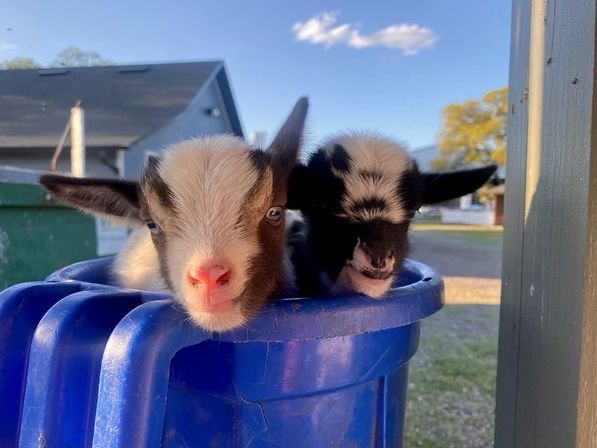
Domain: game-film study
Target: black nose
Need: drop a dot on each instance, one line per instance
(378, 259)
(378, 262)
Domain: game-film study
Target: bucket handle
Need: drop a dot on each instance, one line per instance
(135, 371)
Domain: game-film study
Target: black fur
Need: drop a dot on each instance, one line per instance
(108, 196)
(151, 178)
(411, 189)
(332, 233)
(439, 187)
(340, 159)
(330, 239)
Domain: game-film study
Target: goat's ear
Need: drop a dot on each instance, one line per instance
(286, 145)
(299, 188)
(113, 197)
(440, 187)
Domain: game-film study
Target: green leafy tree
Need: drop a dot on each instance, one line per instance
(75, 57)
(474, 132)
(19, 63)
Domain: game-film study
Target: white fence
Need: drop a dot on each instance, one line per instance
(467, 216)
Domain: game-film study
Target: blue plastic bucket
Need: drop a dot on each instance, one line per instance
(306, 372)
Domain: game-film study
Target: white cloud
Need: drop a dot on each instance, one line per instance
(322, 29)
(6, 47)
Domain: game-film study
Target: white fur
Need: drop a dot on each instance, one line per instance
(352, 280)
(376, 154)
(137, 266)
(209, 179)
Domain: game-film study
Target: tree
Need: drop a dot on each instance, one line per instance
(19, 63)
(474, 132)
(75, 57)
(69, 57)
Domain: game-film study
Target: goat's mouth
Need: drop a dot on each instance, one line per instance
(210, 303)
(371, 283)
(372, 274)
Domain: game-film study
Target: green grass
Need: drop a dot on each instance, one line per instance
(492, 237)
(452, 380)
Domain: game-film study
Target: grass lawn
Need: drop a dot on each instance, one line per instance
(452, 377)
(452, 380)
(464, 233)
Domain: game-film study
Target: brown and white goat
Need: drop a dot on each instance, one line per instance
(208, 219)
(357, 195)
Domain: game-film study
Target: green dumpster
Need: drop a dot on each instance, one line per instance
(39, 235)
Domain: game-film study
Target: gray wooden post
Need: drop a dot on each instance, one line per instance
(547, 367)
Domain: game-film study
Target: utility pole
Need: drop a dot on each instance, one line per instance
(77, 141)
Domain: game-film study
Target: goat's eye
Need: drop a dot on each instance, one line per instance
(411, 213)
(153, 227)
(274, 213)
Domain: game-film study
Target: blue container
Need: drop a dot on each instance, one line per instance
(22, 307)
(304, 373)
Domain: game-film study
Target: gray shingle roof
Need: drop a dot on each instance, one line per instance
(121, 103)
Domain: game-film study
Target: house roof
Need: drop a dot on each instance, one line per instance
(424, 156)
(121, 103)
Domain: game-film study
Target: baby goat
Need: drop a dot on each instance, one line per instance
(209, 221)
(358, 194)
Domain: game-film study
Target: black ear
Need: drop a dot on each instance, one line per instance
(113, 197)
(287, 143)
(299, 188)
(440, 187)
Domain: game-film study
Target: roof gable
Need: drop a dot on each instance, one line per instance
(121, 103)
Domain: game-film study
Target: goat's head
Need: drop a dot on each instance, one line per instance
(215, 209)
(359, 193)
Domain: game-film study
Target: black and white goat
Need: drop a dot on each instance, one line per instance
(358, 194)
(208, 218)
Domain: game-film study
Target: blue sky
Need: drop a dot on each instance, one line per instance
(361, 67)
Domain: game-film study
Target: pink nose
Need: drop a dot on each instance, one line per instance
(210, 277)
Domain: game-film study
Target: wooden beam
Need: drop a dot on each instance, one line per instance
(547, 367)
(587, 402)
(514, 206)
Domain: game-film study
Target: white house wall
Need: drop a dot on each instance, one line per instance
(192, 122)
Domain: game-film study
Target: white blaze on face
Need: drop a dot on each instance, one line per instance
(376, 166)
(211, 181)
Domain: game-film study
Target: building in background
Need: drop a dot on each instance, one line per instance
(130, 112)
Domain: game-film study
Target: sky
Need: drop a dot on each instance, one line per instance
(388, 66)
